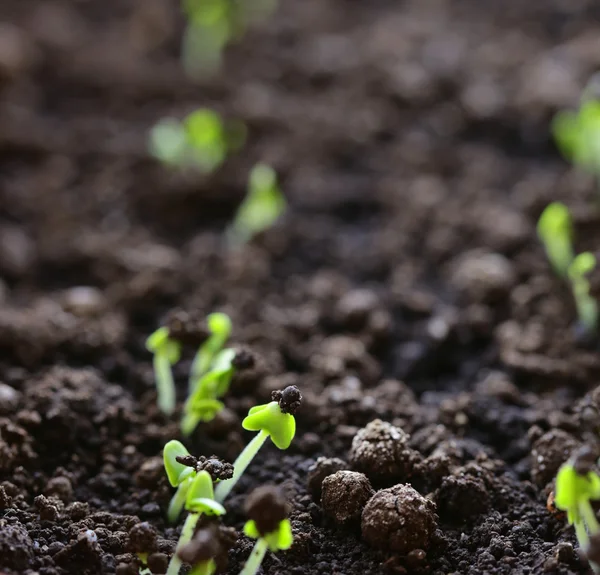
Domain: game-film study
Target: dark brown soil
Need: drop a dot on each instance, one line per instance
(405, 284)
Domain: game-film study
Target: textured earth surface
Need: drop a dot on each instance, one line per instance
(405, 284)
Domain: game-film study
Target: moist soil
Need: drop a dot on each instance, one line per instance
(405, 282)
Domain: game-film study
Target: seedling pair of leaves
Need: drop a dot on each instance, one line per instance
(201, 140)
(167, 352)
(279, 540)
(555, 230)
(574, 494)
(194, 492)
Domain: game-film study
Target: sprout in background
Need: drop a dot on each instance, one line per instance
(261, 207)
(166, 353)
(212, 25)
(555, 230)
(587, 307)
(201, 140)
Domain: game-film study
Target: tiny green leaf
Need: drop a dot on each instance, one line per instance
(206, 137)
(176, 472)
(582, 265)
(168, 141)
(555, 230)
(250, 529)
(262, 206)
(278, 540)
(269, 418)
(160, 343)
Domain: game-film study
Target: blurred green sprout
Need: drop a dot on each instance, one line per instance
(587, 307)
(577, 134)
(573, 494)
(555, 230)
(212, 26)
(263, 205)
(201, 140)
(166, 353)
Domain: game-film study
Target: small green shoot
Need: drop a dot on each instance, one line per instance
(587, 307)
(219, 326)
(199, 501)
(573, 494)
(179, 475)
(279, 540)
(203, 404)
(201, 141)
(166, 353)
(555, 230)
(212, 25)
(261, 207)
(577, 134)
(275, 420)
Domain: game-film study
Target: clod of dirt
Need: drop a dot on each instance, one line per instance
(244, 359)
(548, 453)
(142, 538)
(189, 328)
(289, 399)
(319, 470)
(355, 307)
(209, 542)
(82, 555)
(48, 511)
(84, 301)
(60, 487)
(381, 451)
(17, 250)
(216, 468)
(344, 496)
(462, 496)
(16, 547)
(399, 519)
(9, 399)
(483, 276)
(158, 563)
(267, 507)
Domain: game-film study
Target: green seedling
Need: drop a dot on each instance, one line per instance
(262, 206)
(179, 475)
(166, 353)
(577, 134)
(555, 230)
(280, 539)
(587, 307)
(272, 420)
(201, 141)
(203, 404)
(574, 493)
(219, 326)
(199, 500)
(212, 25)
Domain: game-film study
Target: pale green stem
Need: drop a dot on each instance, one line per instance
(560, 254)
(204, 568)
(223, 488)
(258, 553)
(587, 310)
(178, 501)
(589, 518)
(164, 384)
(186, 536)
(196, 371)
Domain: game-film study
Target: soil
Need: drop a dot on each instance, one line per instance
(404, 284)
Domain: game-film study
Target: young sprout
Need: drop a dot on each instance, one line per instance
(587, 307)
(268, 524)
(166, 353)
(219, 326)
(275, 420)
(203, 404)
(263, 204)
(577, 134)
(555, 230)
(201, 140)
(199, 501)
(179, 475)
(576, 486)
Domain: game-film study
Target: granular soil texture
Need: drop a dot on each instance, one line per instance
(404, 292)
